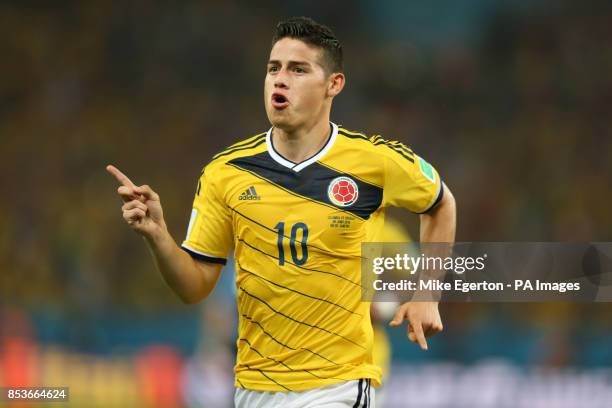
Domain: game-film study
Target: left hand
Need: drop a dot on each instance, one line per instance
(423, 320)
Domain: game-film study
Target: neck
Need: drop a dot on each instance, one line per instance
(300, 144)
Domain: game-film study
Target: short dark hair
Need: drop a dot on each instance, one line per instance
(312, 33)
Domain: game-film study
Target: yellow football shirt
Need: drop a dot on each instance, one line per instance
(296, 230)
(393, 231)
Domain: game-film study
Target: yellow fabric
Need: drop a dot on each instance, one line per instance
(382, 349)
(302, 323)
(393, 231)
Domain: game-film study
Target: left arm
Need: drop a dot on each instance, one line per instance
(438, 225)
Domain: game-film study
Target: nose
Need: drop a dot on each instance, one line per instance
(280, 79)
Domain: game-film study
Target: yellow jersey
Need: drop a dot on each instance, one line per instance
(393, 231)
(296, 230)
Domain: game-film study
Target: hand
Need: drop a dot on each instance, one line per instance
(423, 321)
(141, 209)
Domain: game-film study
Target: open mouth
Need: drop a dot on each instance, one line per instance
(279, 101)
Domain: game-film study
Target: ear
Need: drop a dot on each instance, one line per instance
(335, 84)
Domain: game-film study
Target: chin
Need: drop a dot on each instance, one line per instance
(281, 121)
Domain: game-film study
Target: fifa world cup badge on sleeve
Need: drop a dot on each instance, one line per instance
(427, 170)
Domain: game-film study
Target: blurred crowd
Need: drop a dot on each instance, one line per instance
(515, 114)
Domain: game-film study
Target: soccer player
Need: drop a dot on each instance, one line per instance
(295, 203)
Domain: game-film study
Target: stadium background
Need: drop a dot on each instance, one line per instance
(509, 100)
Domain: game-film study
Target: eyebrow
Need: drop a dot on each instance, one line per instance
(277, 62)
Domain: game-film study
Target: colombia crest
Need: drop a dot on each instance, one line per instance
(343, 191)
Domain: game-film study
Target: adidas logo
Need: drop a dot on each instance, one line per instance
(249, 194)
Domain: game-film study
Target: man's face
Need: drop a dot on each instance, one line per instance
(295, 89)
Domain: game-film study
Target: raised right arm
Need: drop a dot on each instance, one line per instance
(192, 280)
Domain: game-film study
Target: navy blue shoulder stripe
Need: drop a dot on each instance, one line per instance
(406, 156)
(397, 147)
(352, 135)
(247, 141)
(240, 145)
(256, 143)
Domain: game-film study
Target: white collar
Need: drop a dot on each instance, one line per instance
(302, 165)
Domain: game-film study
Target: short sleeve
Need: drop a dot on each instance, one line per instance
(411, 182)
(209, 235)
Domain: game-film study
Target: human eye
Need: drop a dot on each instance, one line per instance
(272, 68)
(299, 70)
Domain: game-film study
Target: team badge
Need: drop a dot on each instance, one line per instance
(343, 191)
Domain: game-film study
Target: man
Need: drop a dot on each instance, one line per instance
(295, 203)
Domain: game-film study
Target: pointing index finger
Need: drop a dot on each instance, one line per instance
(121, 178)
(420, 336)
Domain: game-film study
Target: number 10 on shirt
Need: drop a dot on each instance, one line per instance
(298, 260)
